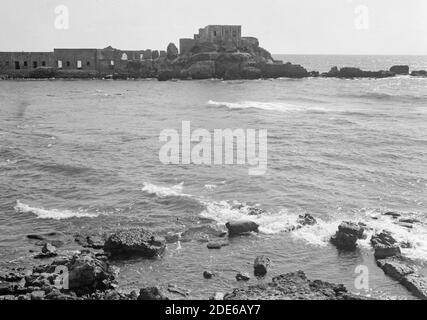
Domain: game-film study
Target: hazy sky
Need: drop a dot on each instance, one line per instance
(283, 26)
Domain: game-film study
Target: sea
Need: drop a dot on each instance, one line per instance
(82, 156)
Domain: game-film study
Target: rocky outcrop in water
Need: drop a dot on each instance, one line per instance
(385, 245)
(400, 70)
(419, 73)
(351, 73)
(240, 227)
(306, 220)
(135, 242)
(293, 286)
(261, 266)
(347, 235)
(406, 274)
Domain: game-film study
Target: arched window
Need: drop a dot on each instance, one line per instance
(124, 56)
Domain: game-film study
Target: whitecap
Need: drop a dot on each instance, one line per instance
(270, 106)
(164, 191)
(52, 213)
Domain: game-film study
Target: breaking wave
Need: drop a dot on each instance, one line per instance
(270, 106)
(317, 235)
(53, 213)
(164, 191)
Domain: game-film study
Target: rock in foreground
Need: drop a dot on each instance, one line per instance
(406, 274)
(293, 286)
(135, 242)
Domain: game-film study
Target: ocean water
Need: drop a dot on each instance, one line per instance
(83, 156)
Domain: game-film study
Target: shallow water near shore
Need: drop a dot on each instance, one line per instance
(82, 156)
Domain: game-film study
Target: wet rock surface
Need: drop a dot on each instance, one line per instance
(293, 286)
(385, 245)
(406, 274)
(241, 227)
(347, 235)
(135, 242)
(261, 266)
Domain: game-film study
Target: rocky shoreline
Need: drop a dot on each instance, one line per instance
(249, 61)
(90, 273)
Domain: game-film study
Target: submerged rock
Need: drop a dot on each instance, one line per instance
(392, 214)
(240, 227)
(208, 274)
(347, 235)
(138, 242)
(306, 220)
(243, 277)
(261, 265)
(217, 245)
(293, 286)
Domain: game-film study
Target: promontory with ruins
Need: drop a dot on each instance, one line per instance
(216, 51)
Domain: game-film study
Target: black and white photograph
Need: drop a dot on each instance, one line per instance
(213, 152)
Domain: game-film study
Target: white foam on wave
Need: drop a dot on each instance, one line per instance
(52, 213)
(270, 223)
(164, 191)
(416, 237)
(270, 106)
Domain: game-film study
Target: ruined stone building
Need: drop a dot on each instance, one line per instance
(221, 35)
(107, 60)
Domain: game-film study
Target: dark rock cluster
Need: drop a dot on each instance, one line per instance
(293, 286)
(347, 235)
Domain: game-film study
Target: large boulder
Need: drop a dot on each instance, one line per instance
(172, 52)
(86, 271)
(241, 227)
(347, 235)
(137, 241)
(261, 266)
(402, 70)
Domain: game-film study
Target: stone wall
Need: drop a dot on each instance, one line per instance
(25, 61)
(221, 34)
(77, 59)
